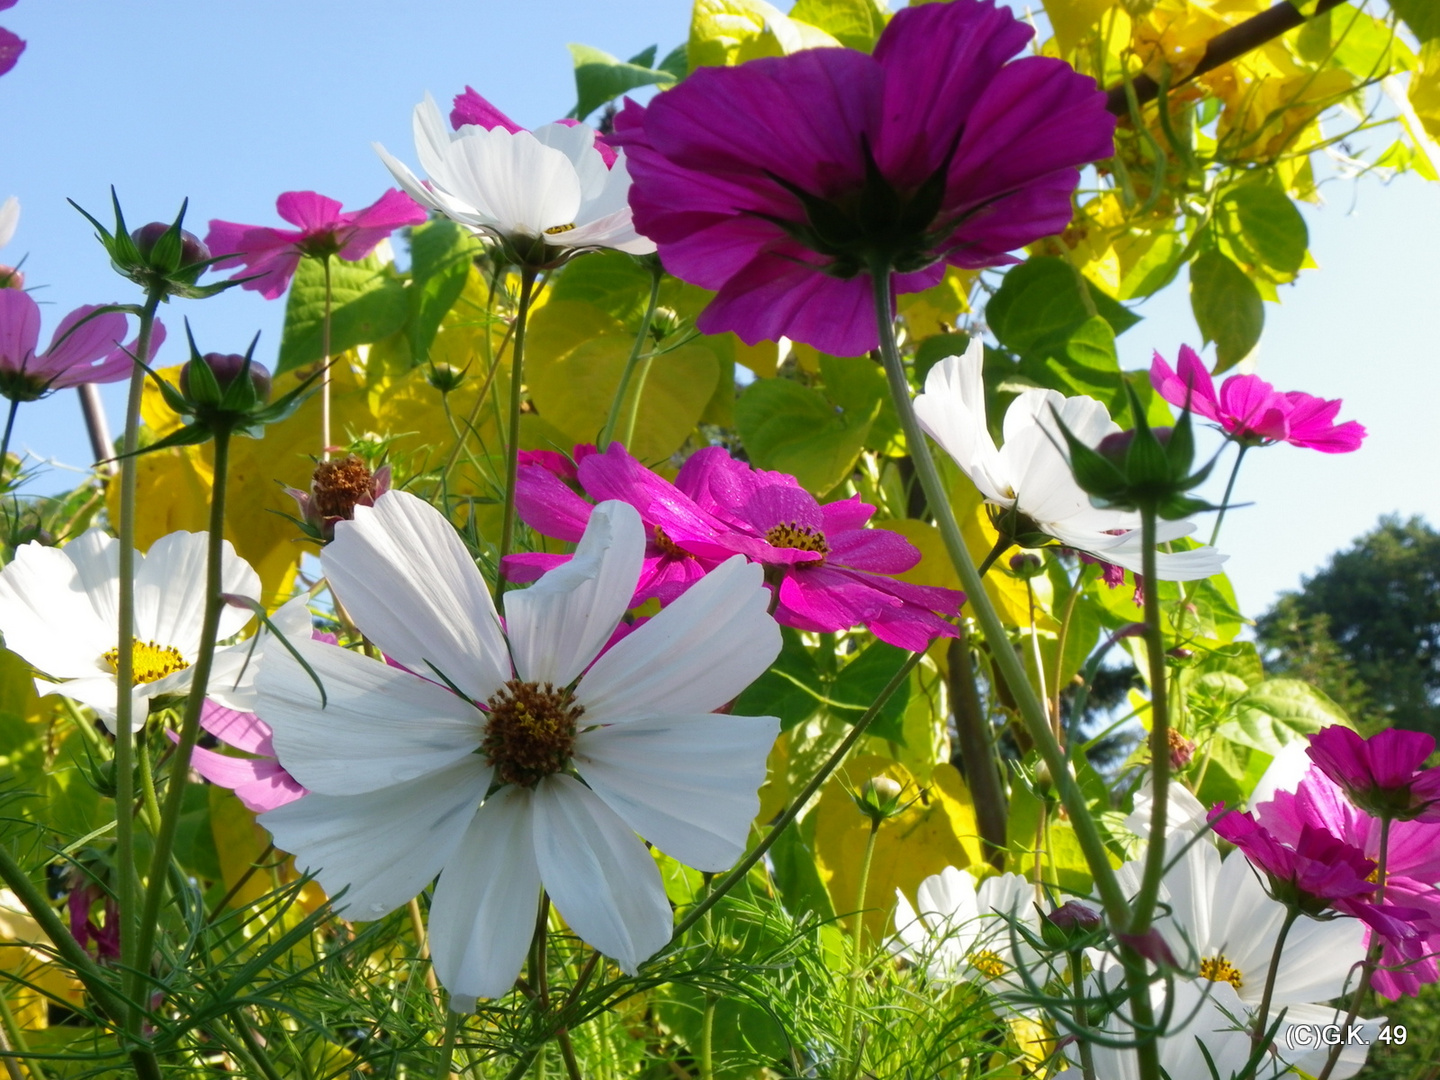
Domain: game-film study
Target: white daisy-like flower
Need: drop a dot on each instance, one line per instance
(966, 934)
(519, 761)
(1030, 474)
(549, 185)
(59, 610)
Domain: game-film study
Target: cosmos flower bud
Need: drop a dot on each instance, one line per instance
(226, 367)
(11, 278)
(1069, 924)
(879, 799)
(1026, 566)
(445, 378)
(192, 248)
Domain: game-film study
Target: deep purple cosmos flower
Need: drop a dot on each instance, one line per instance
(1252, 411)
(1383, 775)
(783, 182)
(11, 46)
(82, 350)
(270, 256)
(828, 571)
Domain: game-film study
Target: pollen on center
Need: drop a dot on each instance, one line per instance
(1218, 969)
(530, 733)
(668, 546)
(789, 534)
(987, 963)
(151, 661)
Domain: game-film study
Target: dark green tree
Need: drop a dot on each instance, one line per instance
(1366, 628)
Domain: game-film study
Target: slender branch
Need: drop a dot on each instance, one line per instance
(1229, 488)
(96, 426)
(1262, 1018)
(1159, 729)
(512, 451)
(5, 442)
(608, 431)
(1221, 49)
(325, 377)
(977, 757)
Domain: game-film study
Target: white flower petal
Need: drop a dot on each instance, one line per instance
(688, 784)
(693, 657)
(411, 587)
(100, 692)
(528, 186)
(483, 915)
(408, 181)
(96, 556)
(952, 411)
(170, 591)
(601, 878)
(381, 726)
(560, 624)
(385, 845)
(1127, 550)
(9, 218)
(1312, 1062)
(48, 617)
(234, 685)
(1032, 457)
(577, 143)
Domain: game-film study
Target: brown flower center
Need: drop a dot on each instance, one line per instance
(801, 537)
(668, 546)
(530, 732)
(152, 661)
(338, 485)
(1218, 969)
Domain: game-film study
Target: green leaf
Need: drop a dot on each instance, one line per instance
(854, 23)
(1421, 16)
(728, 32)
(1265, 228)
(600, 77)
(1277, 712)
(441, 254)
(676, 62)
(856, 384)
(934, 349)
(859, 684)
(790, 689)
(368, 303)
(792, 429)
(1040, 304)
(1227, 307)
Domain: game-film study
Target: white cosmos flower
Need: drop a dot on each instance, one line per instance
(59, 610)
(9, 218)
(964, 934)
(548, 784)
(550, 184)
(1031, 474)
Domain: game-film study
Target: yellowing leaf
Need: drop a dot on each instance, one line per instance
(933, 311)
(728, 32)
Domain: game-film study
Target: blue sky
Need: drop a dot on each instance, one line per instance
(233, 103)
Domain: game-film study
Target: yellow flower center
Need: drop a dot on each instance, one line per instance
(668, 546)
(530, 732)
(987, 963)
(801, 537)
(152, 661)
(556, 230)
(1218, 969)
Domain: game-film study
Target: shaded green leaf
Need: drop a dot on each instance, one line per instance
(1227, 307)
(368, 303)
(792, 429)
(441, 254)
(600, 77)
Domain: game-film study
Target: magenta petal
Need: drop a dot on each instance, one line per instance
(877, 550)
(527, 566)
(829, 600)
(309, 210)
(665, 578)
(80, 339)
(119, 363)
(1312, 425)
(260, 785)
(776, 504)
(242, 730)
(11, 46)
(777, 296)
(1244, 402)
(19, 329)
(844, 514)
(910, 629)
(471, 108)
(1191, 385)
(548, 506)
(224, 238)
(616, 475)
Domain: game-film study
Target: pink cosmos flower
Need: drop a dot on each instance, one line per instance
(1381, 774)
(273, 254)
(87, 352)
(829, 572)
(260, 782)
(1412, 867)
(11, 46)
(470, 108)
(1252, 411)
(782, 182)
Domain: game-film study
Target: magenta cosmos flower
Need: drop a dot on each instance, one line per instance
(470, 108)
(1412, 867)
(260, 782)
(11, 46)
(782, 182)
(829, 572)
(81, 351)
(1252, 411)
(270, 256)
(1383, 774)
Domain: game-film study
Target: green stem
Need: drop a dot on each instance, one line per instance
(1159, 730)
(325, 376)
(1032, 711)
(512, 464)
(447, 1044)
(1263, 1017)
(632, 412)
(149, 804)
(740, 869)
(190, 726)
(13, 1039)
(1087, 1055)
(127, 886)
(5, 442)
(1229, 487)
(1372, 957)
(857, 968)
(608, 431)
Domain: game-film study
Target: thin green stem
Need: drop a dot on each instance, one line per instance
(707, 1039)
(632, 411)
(5, 442)
(512, 451)
(149, 804)
(127, 887)
(740, 869)
(12, 1040)
(1159, 729)
(190, 726)
(608, 431)
(1263, 1017)
(1077, 1010)
(1032, 711)
(447, 1043)
(1229, 487)
(857, 943)
(325, 359)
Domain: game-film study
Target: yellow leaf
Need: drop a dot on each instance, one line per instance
(728, 32)
(937, 831)
(1074, 19)
(933, 311)
(763, 359)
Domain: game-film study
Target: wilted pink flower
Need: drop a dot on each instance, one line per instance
(470, 108)
(273, 254)
(782, 182)
(260, 782)
(1251, 410)
(336, 489)
(10, 46)
(1382, 774)
(81, 350)
(84, 929)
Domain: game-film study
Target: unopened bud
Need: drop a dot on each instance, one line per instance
(445, 378)
(192, 248)
(1181, 749)
(1115, 446)
(879, 798)
(1026, 566)
(226, 367)
(11, 278)
(1068, 924)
